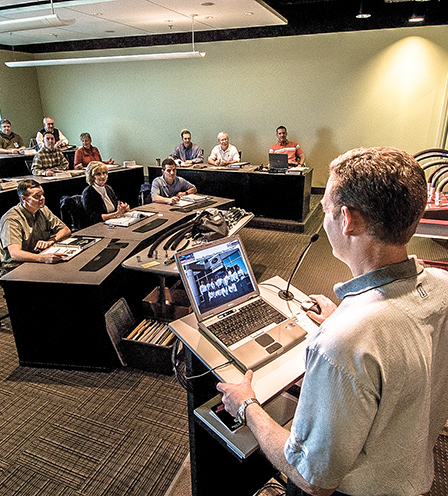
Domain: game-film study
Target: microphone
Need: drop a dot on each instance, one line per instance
(285, 294)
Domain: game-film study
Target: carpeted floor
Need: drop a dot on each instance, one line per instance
(73, 433)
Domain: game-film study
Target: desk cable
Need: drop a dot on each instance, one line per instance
(178, 362)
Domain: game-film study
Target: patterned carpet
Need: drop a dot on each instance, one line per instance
(73, 433)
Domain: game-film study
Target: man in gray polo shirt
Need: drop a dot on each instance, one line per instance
(169, 188)
(374, 397)
(30, 227)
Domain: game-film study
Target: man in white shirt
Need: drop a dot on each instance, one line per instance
(224, 153)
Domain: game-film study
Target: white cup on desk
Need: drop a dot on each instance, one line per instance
(129, 163)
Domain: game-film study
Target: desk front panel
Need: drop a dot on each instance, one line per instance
(276, 196)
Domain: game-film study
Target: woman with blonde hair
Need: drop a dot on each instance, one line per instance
(99, 199)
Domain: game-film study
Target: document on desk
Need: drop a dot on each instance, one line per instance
(72, 246)
(129, 218)
(188, 200)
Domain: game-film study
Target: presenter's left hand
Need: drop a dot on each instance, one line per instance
(234, 394)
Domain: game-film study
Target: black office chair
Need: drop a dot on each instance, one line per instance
(144, 195)
(73, 213)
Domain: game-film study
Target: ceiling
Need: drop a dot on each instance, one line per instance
(129, 23)
(96, 19)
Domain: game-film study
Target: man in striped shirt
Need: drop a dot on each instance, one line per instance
(291, 148)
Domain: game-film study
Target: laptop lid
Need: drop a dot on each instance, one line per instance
(278, 161)
(204, 265)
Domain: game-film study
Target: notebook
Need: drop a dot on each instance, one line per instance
(278, 162)
(222, 289)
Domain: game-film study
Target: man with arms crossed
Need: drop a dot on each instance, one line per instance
(296, 156)
(48, 158)
(224, 153)
(374, 397)
(169, 188)
(30, 227)
(188, 152)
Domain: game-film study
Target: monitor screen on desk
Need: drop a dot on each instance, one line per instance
(217, 275)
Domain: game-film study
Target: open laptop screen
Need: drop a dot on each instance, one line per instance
(217, 276)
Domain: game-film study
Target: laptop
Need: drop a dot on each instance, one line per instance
(278, 162)
(226, 300)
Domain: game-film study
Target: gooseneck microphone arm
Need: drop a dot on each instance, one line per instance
(285, 294)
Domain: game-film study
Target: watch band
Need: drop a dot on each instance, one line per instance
(241, 413)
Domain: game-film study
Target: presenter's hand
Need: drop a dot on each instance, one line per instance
(327, 308)
(234, 394)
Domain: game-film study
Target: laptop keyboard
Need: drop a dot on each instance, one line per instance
(246, 321)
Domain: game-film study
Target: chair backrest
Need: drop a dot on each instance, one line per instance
(144, 196)
(73, 213)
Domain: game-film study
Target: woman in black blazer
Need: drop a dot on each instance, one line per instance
(99, 199)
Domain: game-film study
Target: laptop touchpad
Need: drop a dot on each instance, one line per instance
(264, 340)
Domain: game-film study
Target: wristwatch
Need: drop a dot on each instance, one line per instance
(241, 413)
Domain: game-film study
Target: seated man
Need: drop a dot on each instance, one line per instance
(188, 152)
(169, 188)
(48, 158)
(30, 227)
(224, 153)
(9, 142)
(60, 139)
(291, 148)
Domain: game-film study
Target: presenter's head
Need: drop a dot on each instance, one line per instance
(97, 173)
(374, 197)
(169, 171)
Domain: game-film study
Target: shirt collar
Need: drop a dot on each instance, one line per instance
(379, 277)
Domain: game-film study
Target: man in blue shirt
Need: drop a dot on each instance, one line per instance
(169, 188)
(373, 400)
(187, 152)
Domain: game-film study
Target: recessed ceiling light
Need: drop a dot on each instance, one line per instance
(207, 4)
(248, 13)
(97, 13)
(109, 31)
(208, 17)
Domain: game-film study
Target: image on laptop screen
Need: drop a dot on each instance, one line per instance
(217, 275)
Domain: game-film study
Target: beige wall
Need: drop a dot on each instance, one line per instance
(333, 92)
(19, 96)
